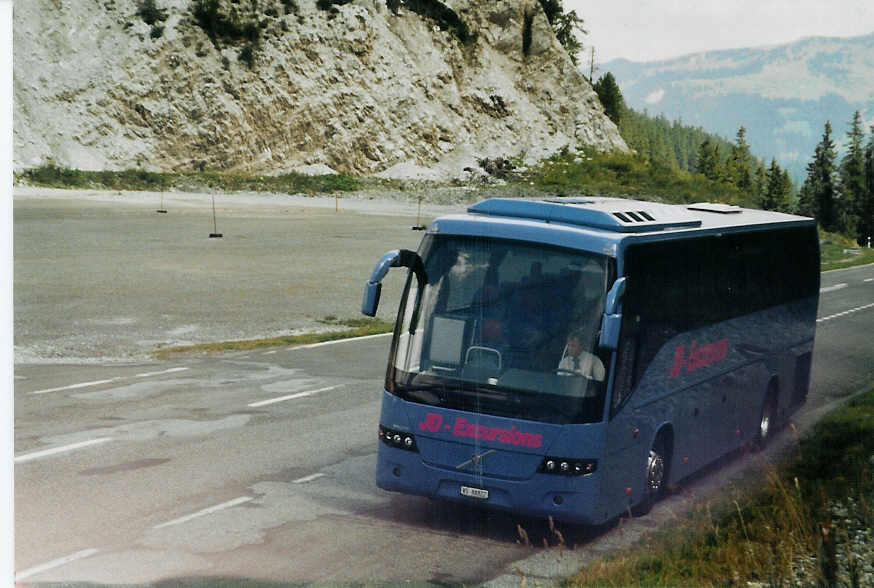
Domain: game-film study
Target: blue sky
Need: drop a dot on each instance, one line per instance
(650, 30)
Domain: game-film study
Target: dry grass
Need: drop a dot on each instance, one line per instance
(356, 328)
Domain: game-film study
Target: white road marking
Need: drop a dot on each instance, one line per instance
(62, 449)
(206, 511)
(109, 381)
(169, 371)
(291, 396)
(306, 479)
(846, 312)
(337, 341)
(24, 574)
(74, 386)
(832, 288)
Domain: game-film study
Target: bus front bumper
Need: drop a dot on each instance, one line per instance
(566, 498)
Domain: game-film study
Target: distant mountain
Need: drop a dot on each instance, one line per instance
(783, 95)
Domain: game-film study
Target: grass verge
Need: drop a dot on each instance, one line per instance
(797, 529)
(292, 183)
(839, 252)
(352, 328)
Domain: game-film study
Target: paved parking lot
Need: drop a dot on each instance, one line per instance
(102, 275)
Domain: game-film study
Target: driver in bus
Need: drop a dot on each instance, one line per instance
(576, 361)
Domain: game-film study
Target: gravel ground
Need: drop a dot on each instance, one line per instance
(101, 276)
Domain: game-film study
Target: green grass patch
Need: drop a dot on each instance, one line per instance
(58, 177)
(761, 538)
(355, 328)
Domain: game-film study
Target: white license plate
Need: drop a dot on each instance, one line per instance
(475, 492)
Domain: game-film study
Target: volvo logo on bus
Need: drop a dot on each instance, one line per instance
(475, 460)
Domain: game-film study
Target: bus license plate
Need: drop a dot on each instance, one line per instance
(475, 492)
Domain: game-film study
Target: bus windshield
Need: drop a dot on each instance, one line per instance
(504, 328)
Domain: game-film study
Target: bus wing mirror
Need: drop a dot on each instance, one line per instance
(612, 321)
(395, 258)
(372, 290)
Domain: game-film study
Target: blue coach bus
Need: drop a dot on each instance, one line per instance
(573, 357)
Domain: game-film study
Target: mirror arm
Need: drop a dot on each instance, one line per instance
(394, 258)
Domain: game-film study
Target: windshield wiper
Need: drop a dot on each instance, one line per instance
(429, 394)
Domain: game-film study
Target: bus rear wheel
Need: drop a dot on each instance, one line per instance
(656, 473)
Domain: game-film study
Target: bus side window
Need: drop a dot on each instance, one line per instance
(655, 309)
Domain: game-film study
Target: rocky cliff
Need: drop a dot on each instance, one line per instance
(361, 87)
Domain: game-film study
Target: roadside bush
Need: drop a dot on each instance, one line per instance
(291, 6)
(444, 17)
(247, 56)
(329, 4)
(150, 13)
(222, 27)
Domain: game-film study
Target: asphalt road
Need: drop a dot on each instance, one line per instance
(260, 465)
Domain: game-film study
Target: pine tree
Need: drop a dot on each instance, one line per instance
(738, 165)
(708, 161)
(819, 194)
(866, 206)
(778, 189)
(565, 25)
(773, 199)
(551, 8)
(787, 193)
(760, 184)
(610, 96)
(852, 178)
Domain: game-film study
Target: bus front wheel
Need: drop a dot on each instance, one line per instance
(656, 470)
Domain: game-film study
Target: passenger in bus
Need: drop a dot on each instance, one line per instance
(577, 361)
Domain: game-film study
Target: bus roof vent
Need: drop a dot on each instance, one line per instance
(612, 214)
(630, 216)
(716, 207)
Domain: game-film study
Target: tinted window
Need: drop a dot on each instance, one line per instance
(678, 286)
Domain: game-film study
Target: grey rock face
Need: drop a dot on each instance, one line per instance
(357, 88)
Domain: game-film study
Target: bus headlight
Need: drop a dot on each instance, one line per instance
(397, 439)
(564, 466)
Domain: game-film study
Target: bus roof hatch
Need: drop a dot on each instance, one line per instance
(612, 214)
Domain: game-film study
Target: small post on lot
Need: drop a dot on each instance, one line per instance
(419, 226)
(162, 210)
(215, 233)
